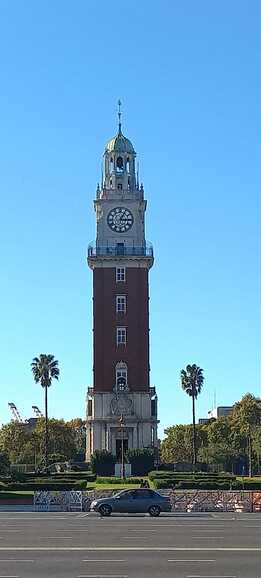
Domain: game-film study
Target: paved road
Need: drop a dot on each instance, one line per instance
(58, 545)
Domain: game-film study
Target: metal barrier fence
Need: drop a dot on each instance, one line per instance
(182, 501)
(46, 501)
(215, 501)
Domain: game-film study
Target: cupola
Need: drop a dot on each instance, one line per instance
(119, 163)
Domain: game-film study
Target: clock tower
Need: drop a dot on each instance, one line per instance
(120, 260)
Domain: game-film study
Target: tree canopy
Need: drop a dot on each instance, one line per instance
(22, 444)
(228, 442)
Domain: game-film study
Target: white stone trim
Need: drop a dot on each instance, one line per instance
(130, 262)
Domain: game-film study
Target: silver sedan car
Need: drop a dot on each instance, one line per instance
(134, 502)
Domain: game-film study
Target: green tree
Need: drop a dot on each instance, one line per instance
(78, 426)
(192, 380)
(13, 438)
(256, 444)
(177, 445)
(245, 419)
(61, 438)
(174, 447)
(45, 369)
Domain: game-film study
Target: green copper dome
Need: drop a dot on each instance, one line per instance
(120, 144)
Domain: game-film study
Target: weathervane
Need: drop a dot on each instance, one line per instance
(119, 114)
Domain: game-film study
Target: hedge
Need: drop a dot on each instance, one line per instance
(112, 480)
(72, 476)
(158, 474)
(46, 485)
(252, 486)
(177, 481)
(206, 485)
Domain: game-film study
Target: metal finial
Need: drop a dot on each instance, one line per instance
(119, 114)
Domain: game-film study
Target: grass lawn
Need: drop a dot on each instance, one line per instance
(116, 487)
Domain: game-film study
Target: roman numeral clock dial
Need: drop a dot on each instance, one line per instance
(120, 219)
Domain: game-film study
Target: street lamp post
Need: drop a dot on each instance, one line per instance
(122, 424)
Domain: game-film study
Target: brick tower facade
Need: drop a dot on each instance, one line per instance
(120, 260)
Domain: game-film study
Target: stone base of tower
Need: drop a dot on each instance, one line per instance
(103, 427)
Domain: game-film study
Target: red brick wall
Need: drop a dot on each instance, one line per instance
(136, 319)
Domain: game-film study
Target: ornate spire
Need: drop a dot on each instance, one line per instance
(119, 115)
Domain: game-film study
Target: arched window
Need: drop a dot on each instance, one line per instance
(121, 376)
(119, 164)
(111, 183)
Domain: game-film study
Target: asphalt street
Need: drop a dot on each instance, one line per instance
(83, 545)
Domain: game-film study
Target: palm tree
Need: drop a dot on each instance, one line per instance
(192, 379)
(45, 368)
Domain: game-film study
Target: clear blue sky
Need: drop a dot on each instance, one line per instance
(188, 74)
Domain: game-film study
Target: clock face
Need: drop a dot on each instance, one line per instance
(120, 220)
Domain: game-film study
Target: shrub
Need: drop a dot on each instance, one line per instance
(4, 463)
(213, 486)
(158, 474)
(56, 458)
(251, 486)
(115, 481)
(47, 484)
(162, 484)
(80, 466)
(71, 476)
(237, 486)
(102, 463)
(18, 476)
(177, 479)
(193, 484)
(141, 461)
(80, 485)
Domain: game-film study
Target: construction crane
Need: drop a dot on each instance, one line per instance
(15, 412)
(37, 411)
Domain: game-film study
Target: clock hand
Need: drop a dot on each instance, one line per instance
(124, 217)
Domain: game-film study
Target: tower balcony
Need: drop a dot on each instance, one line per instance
(120, 250)
(98, 253)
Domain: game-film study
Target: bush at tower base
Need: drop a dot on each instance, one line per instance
(142, 461)
(102, 463)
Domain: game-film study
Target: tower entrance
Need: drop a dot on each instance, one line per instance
(119, 448)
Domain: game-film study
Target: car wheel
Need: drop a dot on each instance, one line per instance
(105, 510)
(154, 511)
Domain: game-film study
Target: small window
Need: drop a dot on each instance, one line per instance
(120, 186)
(120, 274)
(90, 407)
(119, 164)
(120, 303)
(121, 376)
(121, 336)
